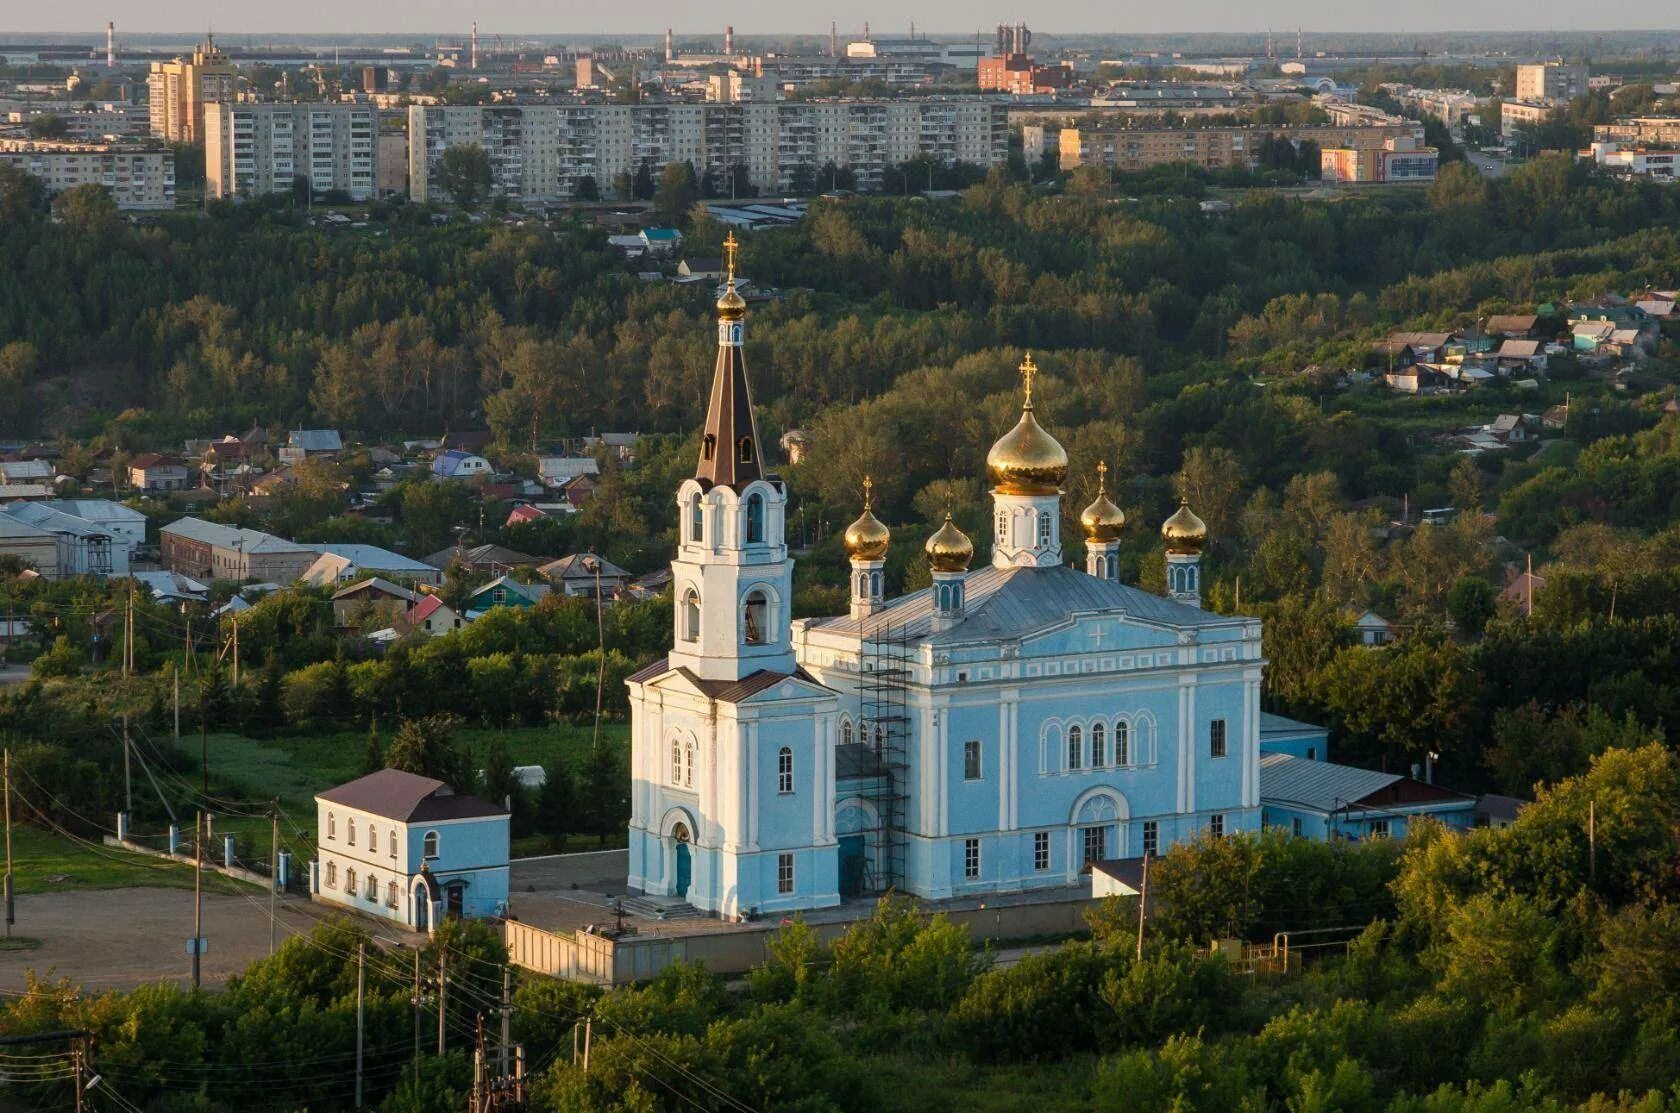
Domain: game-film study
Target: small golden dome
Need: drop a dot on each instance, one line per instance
(731, 306)
(868, 537)
(1027, 460)
(949, 549)
(1184, 532)
(1102, 520)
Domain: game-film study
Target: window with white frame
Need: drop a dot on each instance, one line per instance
(755, 619)
(372, 887)
(784, 873)
(1122, 743)
(1075, 748)
(373, 839)
(350, 882)
(696, 520)
(1094, 843)
(845, 732)
(350, 830)
(688, 762)
(676, 759)
(332, 875)
(1151, 837)
(755, 519)
(332, 826)
(429, 845)
(1295, 826)
(1216, 738)
(391, 894)
(971, 760)
(1216, 825)
(1041, 851)
(1044, 529)
(971, 858)
(784, 771)
(691, 616)
(1379, 828)
(1099, 746)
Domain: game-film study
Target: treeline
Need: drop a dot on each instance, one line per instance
(1513, 968)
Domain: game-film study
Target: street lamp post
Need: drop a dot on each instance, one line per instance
(592, 563)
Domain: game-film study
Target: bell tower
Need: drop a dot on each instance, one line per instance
(1027, 468)
(732, 578)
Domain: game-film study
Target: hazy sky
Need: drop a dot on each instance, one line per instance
(561, 17)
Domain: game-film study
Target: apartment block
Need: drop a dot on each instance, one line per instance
(1551, 81)
(253, 149)
(1397, 160)
(179, 90)
(1514, 114)
(1135, 148)
(138, 176)
(85, 125)
(542, 152)
(1639, 130)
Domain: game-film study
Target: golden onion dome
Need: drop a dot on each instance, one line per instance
(1027, 460)
(868, 537)
(949, 549)
(1184, 532)
(731, 306)
(1102, 520)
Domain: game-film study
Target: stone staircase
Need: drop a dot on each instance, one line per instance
(661, 908)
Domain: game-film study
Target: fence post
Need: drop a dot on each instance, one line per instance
(227, 851)
(174, 838)
(122, 826)
(283, 872)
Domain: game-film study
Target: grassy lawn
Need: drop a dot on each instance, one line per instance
(43, 862)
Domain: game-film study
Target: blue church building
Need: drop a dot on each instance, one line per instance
(994, 732)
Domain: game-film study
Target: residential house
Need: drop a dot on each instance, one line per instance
(171, 587)
(704, 268)
(36, 547)
(1279, 735)
(455, 463)
(663, 242)
(371, 603)
(1322, 800)
(1508, 429)
(578, 490)
(570, 575)
(1424, 347)
(1555, 417)
(650, 585)
(1620, 316)
(621, 446)
(1522, 590)
(410, 849)
(504, 591)
(33, 471)
(557, 471)
(340, 563)
(494, 559)
(467, 440)
(84, 548)
(304, 444)
(1661, 306)
(432, 616)
(17, 492)
(1512, 326)
(1522, 356)
(126, 525)
(153, 472)
(1493, 810)
(524, 512)
(1591, 337)
(210, 551)
(1373, 629)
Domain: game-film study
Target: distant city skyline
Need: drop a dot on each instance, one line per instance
(764, 17)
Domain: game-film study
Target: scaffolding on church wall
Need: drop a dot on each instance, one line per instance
(885, 661)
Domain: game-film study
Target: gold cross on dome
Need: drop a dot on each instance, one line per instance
(1028, 370)
(868, 489)
(729, 246)
(1102, 476)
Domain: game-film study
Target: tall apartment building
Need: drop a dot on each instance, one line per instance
(138, 176)
(542, 152)
(179, 90)
(1550, 81)
(1135, 148)
(253, 149)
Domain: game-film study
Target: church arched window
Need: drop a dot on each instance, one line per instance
(1044, 528)
(755, 519)
(1075, 748)
(845, 732)
(676, 759)
(708, 446)
(691, 616)
(745, 454)
(1099, 746)
(755, 619)
(688, 763)
(1122, 743)
(696, 520)
(784, 771)
(880, 737)
(1002, 526)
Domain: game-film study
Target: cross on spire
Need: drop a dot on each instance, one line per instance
(868, 489)
(1102, 476)
(729, 246)
(1028, 370)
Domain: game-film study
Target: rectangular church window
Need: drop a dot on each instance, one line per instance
(971, 761)
(1216, 825)
(1151, 837)
(1041, 851)
(1216, 744)
(784, 873)
(971, 858)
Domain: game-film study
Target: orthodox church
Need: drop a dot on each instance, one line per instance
(994, 732)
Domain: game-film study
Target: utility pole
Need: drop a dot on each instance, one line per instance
(1592, 842)
(361, 985)
(507, 1020)
(8, 894)
(273, 874)
(128, 774)
(588, 1031)
(443, 993)
(236, 651)
(417, 1018)
(81, 1088)
(203, 745)
(479, 1102)
(177, 708)
(198, 897)
(1143, 902)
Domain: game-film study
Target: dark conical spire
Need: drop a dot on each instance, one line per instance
(730, 451)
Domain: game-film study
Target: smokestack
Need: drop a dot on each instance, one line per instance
(669, 53)
(866, 30)
(475, 45)
(110, 44)
(729, 40)
(833, 39)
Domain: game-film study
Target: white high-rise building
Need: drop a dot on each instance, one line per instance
(253, 149)
(543, 152)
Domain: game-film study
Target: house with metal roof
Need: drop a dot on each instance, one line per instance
(341, 562)
(1323, 800)
(581, 573)
(505, 591)
(1281, 735)
(456, 463)
(410, 849)
(304, 443)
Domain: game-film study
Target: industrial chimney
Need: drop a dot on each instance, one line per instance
(670, 55)
(110, 44)
(833, 39)
(729, 39)
(475, 45)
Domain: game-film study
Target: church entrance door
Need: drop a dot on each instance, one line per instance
(854, 865)
(685, 861)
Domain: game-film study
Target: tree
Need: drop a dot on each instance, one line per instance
(464, 174)
(427, 746)
(373, 755)
(557, 804)
(48, 126)
(1400, 702)
(22, 194)
(642, 186)
(678, 191)
(89, 209)
(1471, 603)
(500, 783)
(585, 189)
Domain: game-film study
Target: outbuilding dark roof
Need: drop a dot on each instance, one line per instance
(408, 798)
